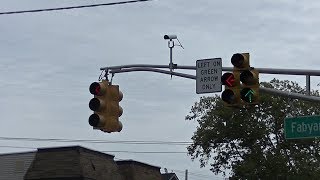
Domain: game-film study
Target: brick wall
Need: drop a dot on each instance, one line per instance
(54, 164)
(99, 166)
(74, 163)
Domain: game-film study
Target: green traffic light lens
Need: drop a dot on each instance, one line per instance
(248, 95)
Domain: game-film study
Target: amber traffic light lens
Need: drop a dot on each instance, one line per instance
(246, 77)
(94, 104)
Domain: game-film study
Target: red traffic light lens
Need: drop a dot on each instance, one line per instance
(228, 96)
(237, 60)
(228, 79)
(95, 89)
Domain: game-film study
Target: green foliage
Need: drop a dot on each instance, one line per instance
(250, 142)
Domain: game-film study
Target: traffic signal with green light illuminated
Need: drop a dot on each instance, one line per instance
(250, 86)
(242, 85)
(105, 105)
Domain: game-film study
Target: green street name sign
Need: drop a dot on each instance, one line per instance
(302, 127)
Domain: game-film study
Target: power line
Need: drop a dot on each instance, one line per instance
(71, 7)
(149, 152)
(97, 141)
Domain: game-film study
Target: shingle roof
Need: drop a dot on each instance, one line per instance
(169, 176)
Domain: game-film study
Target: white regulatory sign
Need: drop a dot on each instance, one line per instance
(209, 72)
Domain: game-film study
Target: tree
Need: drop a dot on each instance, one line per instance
(250, 142)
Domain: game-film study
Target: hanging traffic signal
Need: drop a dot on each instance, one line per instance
(249, 78)
(242, 85)
(232, 86)
(105, 105)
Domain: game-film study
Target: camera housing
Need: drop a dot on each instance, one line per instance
(170, 36)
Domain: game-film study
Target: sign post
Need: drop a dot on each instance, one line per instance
(208, 75)
(302, 127)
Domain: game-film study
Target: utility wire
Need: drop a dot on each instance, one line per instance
(149, 152)
(71, 7)
(96, 141)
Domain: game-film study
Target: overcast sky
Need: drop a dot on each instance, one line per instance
(49, 59)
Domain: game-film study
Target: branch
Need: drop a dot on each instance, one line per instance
(233, 144)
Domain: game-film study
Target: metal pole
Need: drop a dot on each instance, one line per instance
(134, 65)
(308, 84)
(261, 70)
(290, 94)
(186, 174)
(308, 73)
(171, 63)
(154, 70)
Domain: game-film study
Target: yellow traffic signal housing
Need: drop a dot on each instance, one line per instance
(231, 94)
(250, 87)
(245, 89)
(114, 110)
(240, 61)
(105, 105)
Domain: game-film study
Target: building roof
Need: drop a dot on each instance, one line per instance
(61, 148)
(169, 176)
(130, 161)
(15, 153)
(77, 148)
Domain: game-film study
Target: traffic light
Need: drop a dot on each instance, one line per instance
(249, 78)
(231, 95)
(105, 105)
(250, 87)
(242, 85)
